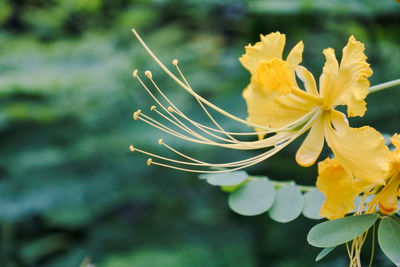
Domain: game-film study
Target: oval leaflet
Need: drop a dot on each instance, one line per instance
(336, 232)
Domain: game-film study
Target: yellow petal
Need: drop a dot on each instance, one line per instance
(388, 201)
(274, 75)
(361, 151)
(338, 187)
(271, 109)
(271, 46)
(395, 155)
(295, 56)
(308, 79)
(396, 140)
(327, 81)
(339, 121)
(309, 151)
(347, 84)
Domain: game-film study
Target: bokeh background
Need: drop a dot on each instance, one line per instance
(69, 187)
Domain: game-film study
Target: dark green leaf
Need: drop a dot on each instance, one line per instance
(287, 205)
(389, 239)
(253, 198)
(336, 232)
(313, 201)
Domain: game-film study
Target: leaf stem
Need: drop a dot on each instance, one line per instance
(385, 85)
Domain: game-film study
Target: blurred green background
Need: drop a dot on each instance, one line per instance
(70, 188)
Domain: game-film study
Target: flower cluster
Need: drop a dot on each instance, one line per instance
(361, 160)
(280, 110)
(284, 102)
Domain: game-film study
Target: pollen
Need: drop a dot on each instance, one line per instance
(148, 74)
(149, 160)
(160, 141)
(134, 73)
(175, 62)
(136, 114)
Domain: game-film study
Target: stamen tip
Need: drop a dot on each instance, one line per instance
(136, 114)
(152, 108)
(175, 62)
(148, 74)
(160, 141)
(149, 161)
(131, 148)
(134, 73)
(170, 109)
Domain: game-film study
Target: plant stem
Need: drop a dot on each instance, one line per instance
(385, 85)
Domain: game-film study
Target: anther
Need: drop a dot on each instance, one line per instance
(148, 74)
(136, 114)
(160, 141)
(152, 108)
(134, 73)
(131, 148)
(175, 62)
(149, 161)
(170, 109)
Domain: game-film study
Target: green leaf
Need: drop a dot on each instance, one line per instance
(225, 179)
(323, 253)
(253, 198)
(336, 232)
(287, 205)
(231, 188)
(389, 239)
(313, 201)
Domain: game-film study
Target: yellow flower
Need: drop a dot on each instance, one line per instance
(340, 189)
(388, 202)
(274, 100)
(333, 178)
(265, 59)
(279, 111)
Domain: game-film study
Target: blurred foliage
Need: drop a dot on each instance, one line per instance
(70, 189)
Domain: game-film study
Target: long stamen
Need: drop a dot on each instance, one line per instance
(149, 75)
(170, 110)
(242, 145)
(231, 164)
(287, 128)
(211, 134)
(138, 115)
(204, 164)
(175, 62)
(248, 162)
(257, 159)
(174, 108)
(161, 142)
(241, 166)
(236, 163)
(268, 142)
(199, 98)
(190, 91)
